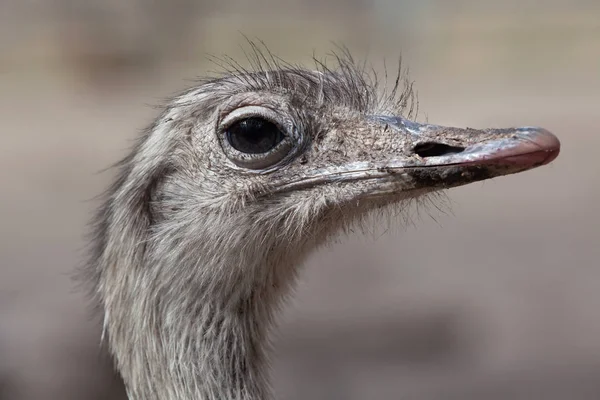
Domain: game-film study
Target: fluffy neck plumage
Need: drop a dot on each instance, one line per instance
(178, 344)
(188, 320)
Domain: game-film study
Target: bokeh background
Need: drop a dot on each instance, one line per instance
(497, 299)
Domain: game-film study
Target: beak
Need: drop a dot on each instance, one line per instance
(523, 148)
(447, 157)
(430, 157)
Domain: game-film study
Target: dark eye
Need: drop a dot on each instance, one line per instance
(254, 135)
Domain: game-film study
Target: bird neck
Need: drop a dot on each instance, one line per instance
(194, 346)
(187, 319)
(222, 355)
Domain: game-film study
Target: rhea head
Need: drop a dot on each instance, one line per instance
(213, 211)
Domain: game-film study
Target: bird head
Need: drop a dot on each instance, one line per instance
(282, 151)
(234, 183)
(252, 169)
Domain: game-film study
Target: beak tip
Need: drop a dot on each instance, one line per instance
(547, 143)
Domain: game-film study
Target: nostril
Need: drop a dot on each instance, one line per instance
(432, 149)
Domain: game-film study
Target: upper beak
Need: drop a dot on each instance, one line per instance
(520, 148)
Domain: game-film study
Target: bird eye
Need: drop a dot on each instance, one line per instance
(258, 138)
(254, 135)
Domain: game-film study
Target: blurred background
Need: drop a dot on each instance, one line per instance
(499, 299)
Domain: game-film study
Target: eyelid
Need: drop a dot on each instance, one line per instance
(252, 111)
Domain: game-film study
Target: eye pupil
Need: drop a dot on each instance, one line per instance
(254, 135)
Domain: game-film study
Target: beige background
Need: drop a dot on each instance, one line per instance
(497, 299)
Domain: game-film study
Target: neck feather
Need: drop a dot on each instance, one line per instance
(221, 354)
(189, 339)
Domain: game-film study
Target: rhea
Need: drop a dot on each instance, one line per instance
(203, 232)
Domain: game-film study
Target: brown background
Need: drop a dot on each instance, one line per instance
(498, 298)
